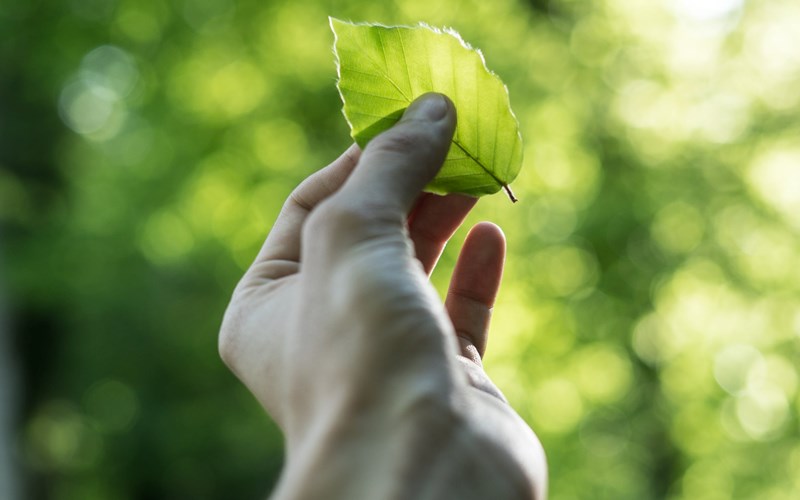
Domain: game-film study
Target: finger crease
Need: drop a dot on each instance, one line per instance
(351, 157)
(463, 294)
(465, 336)
(300, 201)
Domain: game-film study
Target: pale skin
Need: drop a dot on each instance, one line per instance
(378, 387)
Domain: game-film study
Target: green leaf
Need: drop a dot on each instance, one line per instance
(383, 69)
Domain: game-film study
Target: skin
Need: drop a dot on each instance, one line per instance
(378, 386)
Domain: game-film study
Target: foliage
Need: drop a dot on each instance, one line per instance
(382, 69)
(647, 327)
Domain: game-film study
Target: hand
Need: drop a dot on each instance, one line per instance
(337, 332)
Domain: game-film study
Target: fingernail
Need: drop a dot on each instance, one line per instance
(431, 107)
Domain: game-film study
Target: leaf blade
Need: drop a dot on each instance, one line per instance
(383, 69)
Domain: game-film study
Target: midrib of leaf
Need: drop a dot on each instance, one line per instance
(478, 162)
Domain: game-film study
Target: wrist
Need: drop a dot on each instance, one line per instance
(357, 446)
(430, 449)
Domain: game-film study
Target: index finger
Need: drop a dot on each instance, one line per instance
(280, 252)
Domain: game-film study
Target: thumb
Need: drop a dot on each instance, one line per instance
(398, 163)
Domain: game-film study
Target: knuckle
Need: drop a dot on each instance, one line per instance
(339, 220)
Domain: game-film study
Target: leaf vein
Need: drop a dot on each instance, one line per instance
(366, 73)
(371, 115)
(496, 133)
(456, 135)
(405, 61)
(378, 96)
(457, 176)
(478, 162)
(386, 63)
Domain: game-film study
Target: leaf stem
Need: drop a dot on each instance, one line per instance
(510, 193)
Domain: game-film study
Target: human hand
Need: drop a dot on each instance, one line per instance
(337, 332)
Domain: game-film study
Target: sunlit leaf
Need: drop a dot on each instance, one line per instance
(383, 69)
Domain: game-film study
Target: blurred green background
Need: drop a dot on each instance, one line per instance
(649, 324)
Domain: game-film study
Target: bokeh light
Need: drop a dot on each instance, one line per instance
(649, 323)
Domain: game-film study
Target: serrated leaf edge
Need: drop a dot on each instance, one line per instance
(448, 31)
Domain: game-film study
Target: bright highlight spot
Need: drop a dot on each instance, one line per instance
(678, 227)
(216, 86)
(59, 437)
(565, 269)
(111, 68)
(86, 108)
(279, 144)
(763, 413)
(112, 404)
(92, 104)
(705, 10)
(602, 373)
(732, 365)
(557, 406)
(165, 238)
(775, 178)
